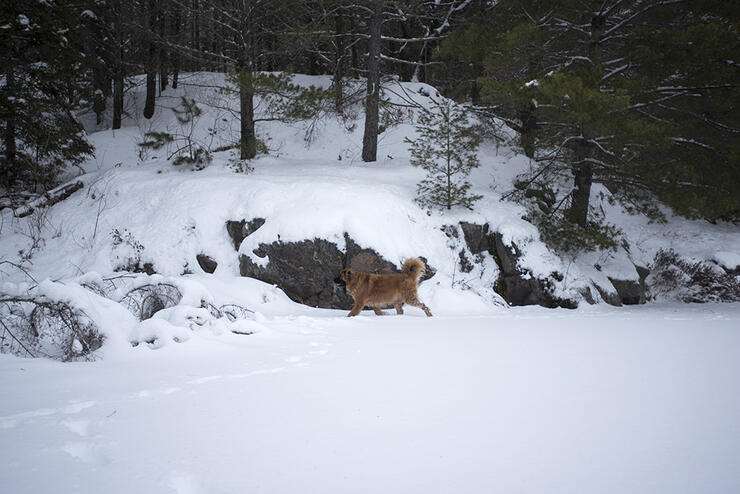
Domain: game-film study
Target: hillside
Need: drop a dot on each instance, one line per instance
(311, 184)
(219, 382)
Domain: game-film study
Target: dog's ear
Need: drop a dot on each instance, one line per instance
(347, 274)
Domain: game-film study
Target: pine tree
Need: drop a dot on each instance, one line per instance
(43, 84)
(626, 94)
(187, 148)
(446, 149)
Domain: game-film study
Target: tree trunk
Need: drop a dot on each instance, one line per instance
(475, 92)
(118, 66)
(101, 87)
(8, 174)
(248, 141)
(117, 100)
(213, 43)
(526, 135)
(583, 172)
(196, 30)
(354, 58)
(338, 76)
(163, 54)
(151, 63)
(176, 53)
(582, 177)
(370, 137)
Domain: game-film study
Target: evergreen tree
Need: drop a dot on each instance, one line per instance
(446, 149)
(42, 71)
(187, 148)
(621, 93)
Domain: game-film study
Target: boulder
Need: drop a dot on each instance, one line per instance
(518, 286)
(630, 292)
(304, 270)
(476, 237)
(587, 296)
(466, 265)
(430, 271)
(369, 261)
(363, 259)
(206, 263)
(611, 298)
(643, 273)
(239, 230)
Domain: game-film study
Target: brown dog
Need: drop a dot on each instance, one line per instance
(377, 290)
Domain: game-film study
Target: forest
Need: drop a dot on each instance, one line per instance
(640, 96)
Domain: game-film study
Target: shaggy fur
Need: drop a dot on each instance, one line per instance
(378, 290)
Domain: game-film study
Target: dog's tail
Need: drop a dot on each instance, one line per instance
(415, 266)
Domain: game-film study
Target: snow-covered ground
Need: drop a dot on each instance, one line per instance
(479, 398)
(530, 400)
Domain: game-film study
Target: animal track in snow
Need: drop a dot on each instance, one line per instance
(10, 421)
(151, 392)
(78, 406)
(85, 452)
(186, 484)
(79, 427)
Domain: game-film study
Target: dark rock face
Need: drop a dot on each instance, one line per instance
(630, 292)
(586, 293)
(235, 230)
(465, 265)
(518, 285)
(304, 270)
(610, 298)
(476, 237)
(430, 271)
(643, 273)
(206, 263)
(239, 230)
(369, 261)
(366, 260)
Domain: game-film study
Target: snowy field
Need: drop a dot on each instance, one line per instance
(530, 400)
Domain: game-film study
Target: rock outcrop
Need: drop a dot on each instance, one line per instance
(630, 292)
(306, 270)
(206, 263)
(516, 284)
(239, 230)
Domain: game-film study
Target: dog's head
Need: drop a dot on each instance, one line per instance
(344, 277)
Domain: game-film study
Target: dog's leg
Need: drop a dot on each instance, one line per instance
(356, 309)
(418, 303)
(377, 310)
(399, 307)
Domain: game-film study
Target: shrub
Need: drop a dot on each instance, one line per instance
(688, 280)
(188, 150)
(36, 326)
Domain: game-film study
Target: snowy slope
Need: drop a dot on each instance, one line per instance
(311, 184)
